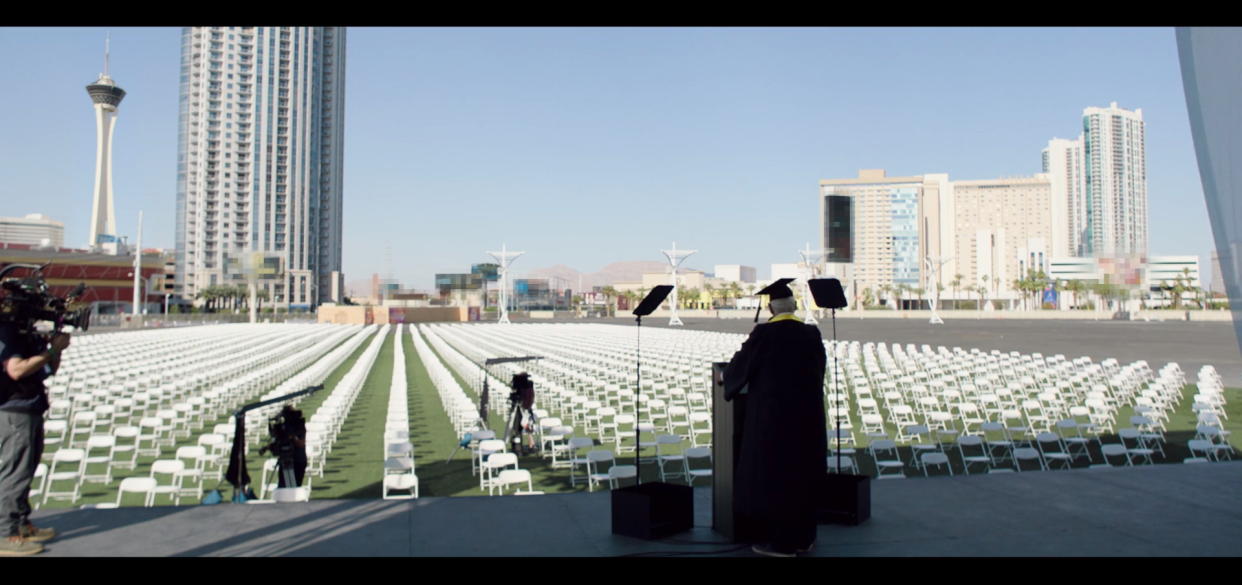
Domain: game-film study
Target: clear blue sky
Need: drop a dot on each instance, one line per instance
(588, 146)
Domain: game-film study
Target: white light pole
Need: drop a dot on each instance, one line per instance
(504, 258)
(137, 263)
(674, 260)
(934, 263)
(809, 258)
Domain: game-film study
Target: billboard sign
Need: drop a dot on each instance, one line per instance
(1050, 296)
(253, 266)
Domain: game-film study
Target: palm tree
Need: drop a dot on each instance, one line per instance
(684, 297)
(260, 296)
(897, 292)
(209, 295)
(1072, 287)
(956, 283)
(919, 291)
(885, 291)
(1179, 288)
(868, 297)
(610, 294)
(736, 290)
(711, 293)
(1022, 287)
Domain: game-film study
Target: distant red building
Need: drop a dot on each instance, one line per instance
(109, 279)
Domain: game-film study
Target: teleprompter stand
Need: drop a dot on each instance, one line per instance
(846, 497)
(651, 510)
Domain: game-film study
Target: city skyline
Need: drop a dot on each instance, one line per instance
(642, 159)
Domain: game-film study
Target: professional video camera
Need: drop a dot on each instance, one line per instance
(284, 429)
(28, 300)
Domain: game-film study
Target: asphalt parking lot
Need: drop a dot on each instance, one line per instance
(1191, 344)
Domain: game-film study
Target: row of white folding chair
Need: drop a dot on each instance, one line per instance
(177, 391)
(308, 367)
(461, 410)
(399, 451)
(174, 422)
(338, 403)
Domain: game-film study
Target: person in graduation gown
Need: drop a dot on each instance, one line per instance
(784, 448)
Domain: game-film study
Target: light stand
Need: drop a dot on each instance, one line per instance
(658, 509)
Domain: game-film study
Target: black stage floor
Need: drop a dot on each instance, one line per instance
(1167, 510)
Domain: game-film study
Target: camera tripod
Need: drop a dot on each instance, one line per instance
(514, 428)
(285, 465)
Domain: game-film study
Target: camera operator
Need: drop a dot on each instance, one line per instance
(523, 397)
(295, 432)
(27, 359)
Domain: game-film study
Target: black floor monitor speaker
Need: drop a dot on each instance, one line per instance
(846, 499)
(652, 510)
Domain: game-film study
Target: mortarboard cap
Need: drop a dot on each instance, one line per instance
(776, 290)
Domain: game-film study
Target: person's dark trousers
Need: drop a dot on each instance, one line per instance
(793, 537)
(21, 448)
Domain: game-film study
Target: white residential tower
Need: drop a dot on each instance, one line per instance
(260, 155)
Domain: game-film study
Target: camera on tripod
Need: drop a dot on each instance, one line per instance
(29, 300)
(521, 401)
(285, 430)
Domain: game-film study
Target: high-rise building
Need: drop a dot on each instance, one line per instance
(33, 230)
(107, 97)
(259, 161)
(1115, 201)
(1064, 165)
(872, 223)
(1001, 227)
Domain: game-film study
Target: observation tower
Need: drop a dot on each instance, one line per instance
(106, 96)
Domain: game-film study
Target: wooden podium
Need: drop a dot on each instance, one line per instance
(727, 424)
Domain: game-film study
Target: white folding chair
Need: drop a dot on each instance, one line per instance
(407, 482)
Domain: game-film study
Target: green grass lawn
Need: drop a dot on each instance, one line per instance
(355, 467)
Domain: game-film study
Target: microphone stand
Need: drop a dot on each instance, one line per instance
(638, 358)
(835, 392)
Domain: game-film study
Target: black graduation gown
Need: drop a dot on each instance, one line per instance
(784, 437)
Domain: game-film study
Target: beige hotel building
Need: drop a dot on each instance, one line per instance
(878, 230)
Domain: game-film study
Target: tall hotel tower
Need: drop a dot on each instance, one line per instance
(259, 155)
(106, 96)
(1115, 158)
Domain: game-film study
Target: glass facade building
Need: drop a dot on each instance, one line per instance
(904, 205)
(838, 228)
